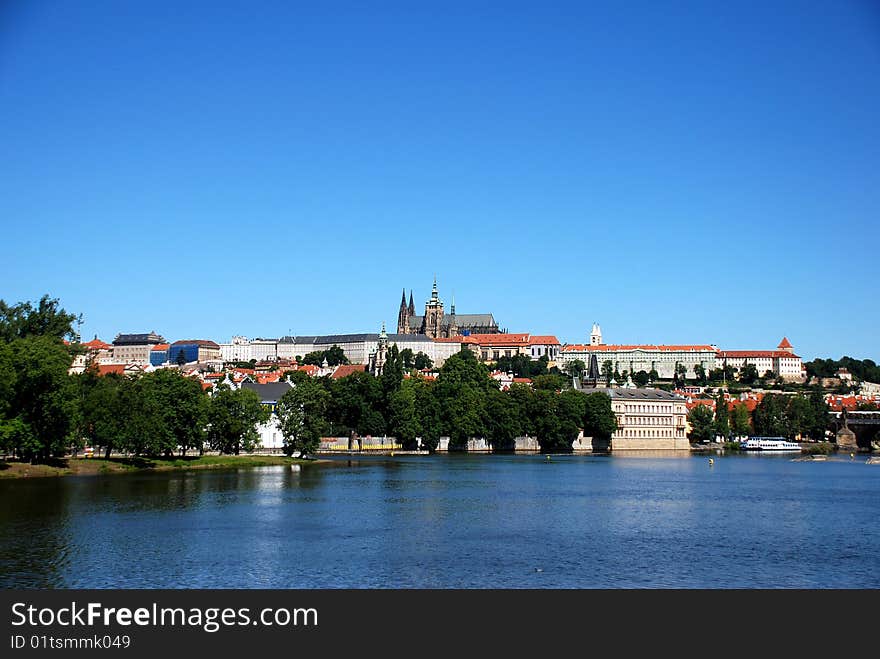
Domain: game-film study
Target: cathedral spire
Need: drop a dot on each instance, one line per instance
(403, 300)
(412, 306)
(452, 306)
(434, 289)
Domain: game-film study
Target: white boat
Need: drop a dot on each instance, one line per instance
(775, 444)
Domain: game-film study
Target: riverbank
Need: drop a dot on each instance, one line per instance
(124, 465)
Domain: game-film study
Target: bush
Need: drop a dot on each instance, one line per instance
(819, 448)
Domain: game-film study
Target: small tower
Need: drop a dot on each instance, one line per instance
(403, 315)
(433, 321)
(596, 335)
(412, 307)
(786, 346)
(452, 328)
(379, 356)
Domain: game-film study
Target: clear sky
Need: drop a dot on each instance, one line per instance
(680, 172)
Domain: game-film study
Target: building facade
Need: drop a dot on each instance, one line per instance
(634, 358)
(436, 324)
(782, 362)
(358, 347)
(193, 350)
(135, 348)
(271, 437)
(647, 419)
(237, 350)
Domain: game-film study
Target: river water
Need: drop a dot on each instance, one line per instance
(453, 522)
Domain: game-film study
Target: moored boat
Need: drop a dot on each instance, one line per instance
(775, 444)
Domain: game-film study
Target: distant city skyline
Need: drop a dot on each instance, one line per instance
(696, 174)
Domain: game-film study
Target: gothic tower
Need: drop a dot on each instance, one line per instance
(452, 328)
(404, 314)
(596, 335)
(433, 322)
(412, 307)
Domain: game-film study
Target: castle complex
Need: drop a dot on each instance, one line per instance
(436, 324)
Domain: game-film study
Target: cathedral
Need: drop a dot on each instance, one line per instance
(438, 325)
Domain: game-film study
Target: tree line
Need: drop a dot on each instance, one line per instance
(46, 412)
(777, 415)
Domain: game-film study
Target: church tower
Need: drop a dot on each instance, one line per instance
(404, 314)
(452, 328)
(412, 307)
(596, 335)
(433, 322)
(379, 356)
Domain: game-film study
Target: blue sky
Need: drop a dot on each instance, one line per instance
(683, 172)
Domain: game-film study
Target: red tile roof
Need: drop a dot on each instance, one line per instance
(97, 344)
(344, 370)
(700, 401)
(518, 339)
(543, 340)
(755, 354)
(784, 343)
(160, 347)
(750, 404)
(105, 369)
(523, 380)
(647, 348)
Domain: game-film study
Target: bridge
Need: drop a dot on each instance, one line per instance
(865, 425)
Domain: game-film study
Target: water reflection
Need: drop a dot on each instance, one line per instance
(462, 521)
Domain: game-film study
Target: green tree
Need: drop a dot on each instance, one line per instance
(641, 379)
(407, 358)
(233, 415)
(170, 413)
(820, 415)
(700, 373)
(550, 382)
(748, 374)
(740, 420)
(576, 368)
(42, 398)
(770, 417)
(422, 361)
(181, 358)
(607, 371)
(106, 410)
(722, 418)
(24, 320)
(302, 417)
(653, 375)
(702, 426)
(335, 356)
(599, 421)
(557, 418)
(502, 420)
(355, 405)
(403, 422)
(428, 413)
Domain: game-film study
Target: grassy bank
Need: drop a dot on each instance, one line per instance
(100, 466)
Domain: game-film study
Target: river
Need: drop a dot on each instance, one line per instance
(453, 521)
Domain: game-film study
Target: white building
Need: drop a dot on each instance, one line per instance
(544, 346)
(238, 350)
(635, 358)
(781, 362)
(647, 419)
(357, 347)
(270, 432)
